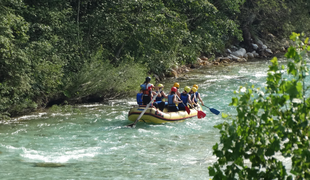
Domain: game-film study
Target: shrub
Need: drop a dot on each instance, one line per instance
(270, 122)
(99, 77)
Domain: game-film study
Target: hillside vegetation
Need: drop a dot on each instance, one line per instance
(56, 51)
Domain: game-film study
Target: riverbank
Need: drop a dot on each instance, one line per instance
(234, 54)
(259, 50)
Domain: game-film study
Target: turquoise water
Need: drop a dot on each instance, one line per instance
(96, 144)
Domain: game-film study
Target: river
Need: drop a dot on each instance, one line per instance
(94, 142)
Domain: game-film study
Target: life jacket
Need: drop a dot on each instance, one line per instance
(143, 86)
(146, 91)
(196, 93)
(170, 100)
(139, 98)
(194, 97)
(159, 98)
(184, 98)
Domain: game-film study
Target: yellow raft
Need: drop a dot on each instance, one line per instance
(154, 115)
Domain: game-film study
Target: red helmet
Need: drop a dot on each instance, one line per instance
(174, 89)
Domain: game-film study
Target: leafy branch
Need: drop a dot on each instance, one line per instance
(269, 124)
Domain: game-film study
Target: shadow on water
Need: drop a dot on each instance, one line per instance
(48, 165)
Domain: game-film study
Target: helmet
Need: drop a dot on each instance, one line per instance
(174, 89)
(194, 89)
(147, 79)
(187, 88)
(177, 85)
(160, 85)
(196, 86)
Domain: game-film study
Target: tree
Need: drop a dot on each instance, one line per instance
(259, 18)
(210, 24)
(15, 67)
(274, 121)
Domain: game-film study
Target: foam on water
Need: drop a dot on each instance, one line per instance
(60, 156)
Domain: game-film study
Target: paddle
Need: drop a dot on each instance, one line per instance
(200, 114)
(147, 106)
(186, 108)
(214, 111)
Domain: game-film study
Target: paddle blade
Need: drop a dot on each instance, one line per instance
(201, 114)
(133, 125)
(214, 111)
(187, 110)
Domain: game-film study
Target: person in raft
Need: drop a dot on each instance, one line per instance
(185, 97)
(147, 91)
(177, 85)
(139, 97)
(173, 100)
(192, 94)
(159, 99)
(197, 95)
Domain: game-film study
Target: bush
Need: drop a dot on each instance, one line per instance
(100, 78)
(274, 121)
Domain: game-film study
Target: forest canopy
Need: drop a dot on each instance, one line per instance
(52, 51)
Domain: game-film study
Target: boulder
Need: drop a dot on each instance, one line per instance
(283, 49)
(156, 77)
(255, 54)
(235, 58)
(223, 59)
(217, 59)
(240, 53)
(255, 46)
(270, 36)
(234, 48)
(198, 63)
(264, 47)
(286, 44)
(269, 51)
(174, 66)
(204, 58)
(245, 56)
(241, 60)
(250, 55)
(228, 51)
(49, 164)
(172, 73)
(259, 43)
(208, 64)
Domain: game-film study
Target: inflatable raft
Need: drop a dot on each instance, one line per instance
(154, 115)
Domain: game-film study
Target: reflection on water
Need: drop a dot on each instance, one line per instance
(96, 144)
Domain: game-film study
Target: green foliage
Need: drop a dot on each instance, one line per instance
(15, 66)
(268, 124)
(156, 33)
(68, 50)
(209, 28)
(279, 17)
(64, 109)
(99, 77)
